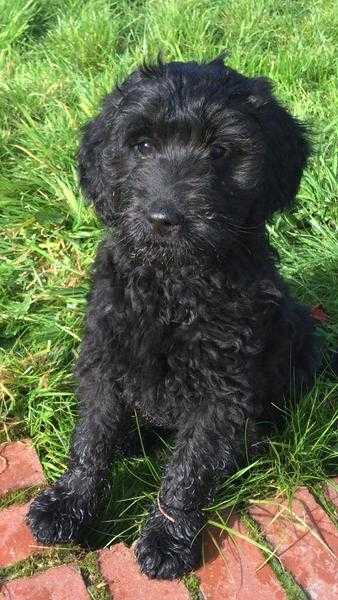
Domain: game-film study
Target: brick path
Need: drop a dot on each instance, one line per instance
(301, 536)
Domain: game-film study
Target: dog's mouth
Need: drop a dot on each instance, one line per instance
(166, 241)
(165, 232)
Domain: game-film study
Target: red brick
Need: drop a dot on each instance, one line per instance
(235, 569)
(16, 540)
(60, 583)
(19, 467)
(331, 490)
(120, 570)
(305, 540)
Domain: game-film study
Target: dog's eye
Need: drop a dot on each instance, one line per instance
(145, 148)
(217, 151)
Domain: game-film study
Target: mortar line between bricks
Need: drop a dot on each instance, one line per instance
(95, 594)
(35, 565)
(21, 496)
(194, 594)
(325, 503)
(292, 589)
(32, 565)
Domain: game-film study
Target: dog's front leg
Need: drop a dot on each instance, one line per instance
(208, 446)
(60, 513)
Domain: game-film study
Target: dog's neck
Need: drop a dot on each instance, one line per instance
(156, 299)
(250, 259)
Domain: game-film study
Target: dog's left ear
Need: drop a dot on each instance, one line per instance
(287, 146)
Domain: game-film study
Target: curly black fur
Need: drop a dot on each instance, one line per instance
(189, 322)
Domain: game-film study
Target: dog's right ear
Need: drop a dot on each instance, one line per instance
(98, 153)
(95, 176)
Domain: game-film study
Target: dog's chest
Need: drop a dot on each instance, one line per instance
(178, 317)
(174, 310)
(183, 338)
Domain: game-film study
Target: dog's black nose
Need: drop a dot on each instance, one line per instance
(164, 217)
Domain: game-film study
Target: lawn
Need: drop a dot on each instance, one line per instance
(58, 58)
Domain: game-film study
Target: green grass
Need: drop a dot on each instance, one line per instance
(57, 59)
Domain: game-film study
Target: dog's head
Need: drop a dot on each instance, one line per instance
(184, 158)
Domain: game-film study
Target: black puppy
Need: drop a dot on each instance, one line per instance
(189, 323)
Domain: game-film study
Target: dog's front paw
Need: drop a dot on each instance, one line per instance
(57, 515)
(168, 550)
